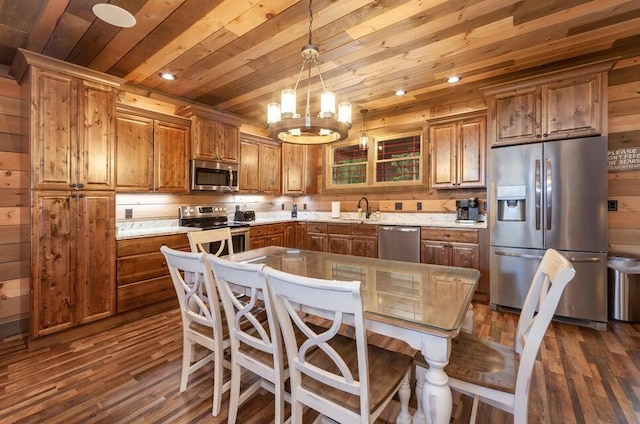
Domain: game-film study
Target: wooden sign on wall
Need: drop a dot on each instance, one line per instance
(623, 159)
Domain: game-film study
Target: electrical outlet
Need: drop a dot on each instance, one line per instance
(128, 213)
(612, 205)
(304, 206)
(398, 206)
(283, 206)
(419, 206)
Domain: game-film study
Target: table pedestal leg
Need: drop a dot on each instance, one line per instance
(437, 402)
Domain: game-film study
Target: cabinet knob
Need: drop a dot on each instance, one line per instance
(544, 135)
(164, 243)
(80, 185)
(164, 264)
(72, 185)
(81, 195)
(73, 195)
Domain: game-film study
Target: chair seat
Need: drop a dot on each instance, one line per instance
(386, 370)
(481, 362)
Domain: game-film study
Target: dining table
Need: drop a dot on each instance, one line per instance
(421, 304)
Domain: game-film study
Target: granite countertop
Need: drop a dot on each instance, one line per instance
(136, 229)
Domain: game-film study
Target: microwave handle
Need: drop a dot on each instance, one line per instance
(230, 178)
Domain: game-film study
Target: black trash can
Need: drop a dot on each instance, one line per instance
(624, 288)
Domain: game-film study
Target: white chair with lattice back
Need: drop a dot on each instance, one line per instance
(208, 240)
(496, 374)
(256, 343)
(202, 320)
(343, 378)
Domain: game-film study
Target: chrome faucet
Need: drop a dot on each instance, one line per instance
(368, 209)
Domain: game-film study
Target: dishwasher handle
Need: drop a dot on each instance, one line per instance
(403, 229)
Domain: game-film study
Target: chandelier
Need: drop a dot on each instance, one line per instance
(286, 125)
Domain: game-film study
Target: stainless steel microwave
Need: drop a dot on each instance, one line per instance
(214, 176)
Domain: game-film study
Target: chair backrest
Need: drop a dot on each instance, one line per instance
(549, 282)
(193, 281)
(199, 239)
(338, 302)
(243, 290)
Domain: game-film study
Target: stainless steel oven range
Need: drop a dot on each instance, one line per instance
(214, 216)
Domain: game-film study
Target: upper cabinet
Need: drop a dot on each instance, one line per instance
(458, 153)
(259, 166)
(152, 153)
(72, 130)
(567, 104)
(215, 136)
(299, 169)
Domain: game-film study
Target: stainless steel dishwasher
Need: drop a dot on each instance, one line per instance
(399, 243)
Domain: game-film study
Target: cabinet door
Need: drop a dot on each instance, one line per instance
(464, 255)
(293, 168)
(171, 157)
(54, 122)
(96, 132)
(443, 139)
(364, 246)
(317, 242)
(471, 153)
(434, 252)
(339, 243)
(204, 139)
(269, 169)
(134, 153)
(301, 235)
(289, 235)
(249, 179)
(95, 248)
(229, 143)
(258, 242)
(572, 107)
(54, 296)
(517, 116)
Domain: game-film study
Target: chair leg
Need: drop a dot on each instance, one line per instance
(469, 318)
(218, 377)
(234, 395)
(418, 417)
(187, 352)
(474, 410)
(404, 393)
(279, 395)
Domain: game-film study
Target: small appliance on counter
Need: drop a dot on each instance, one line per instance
(468, 210)
(243, 216)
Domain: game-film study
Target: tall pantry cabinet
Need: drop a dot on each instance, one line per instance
(72, 146)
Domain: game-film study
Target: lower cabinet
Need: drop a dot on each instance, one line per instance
(451, 247)
(266, 235)
(142, 273)
(317, 236)
(73, 251)
(353, 239)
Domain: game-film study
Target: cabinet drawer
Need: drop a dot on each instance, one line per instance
(316, 227)
(151, 244)
(275, 228)
(141, 267)
(143, 293)
(365, 230)
(449, 234)
(339, 228)
(258, 231)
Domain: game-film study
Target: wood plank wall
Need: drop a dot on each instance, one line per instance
(14, 210)
(624, 131)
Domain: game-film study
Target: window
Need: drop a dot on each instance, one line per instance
(393, 160)
(349, 165)
(398, 159)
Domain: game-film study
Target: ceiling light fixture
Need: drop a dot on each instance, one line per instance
(167, 76)
(364, 139)
(453, 79)
(286, 125)
(114, 15)
(400, 92)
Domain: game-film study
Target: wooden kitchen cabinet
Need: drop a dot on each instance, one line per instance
(289, 234)
(142, 274)
(339, 238)
(566, 104)
(259, 166)
(299, 169)
(214, 136)
(267, 235)
(364, 240)
(317, 237)
(73, 259)
(452, 247)
(458, 153)
(72, 132)
(301, 235)
(152, 153)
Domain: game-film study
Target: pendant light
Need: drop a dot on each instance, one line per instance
(364, 139)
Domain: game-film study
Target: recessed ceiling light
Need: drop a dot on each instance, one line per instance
(167, 76)
(400, 92)
(453, 79)
(114, 15)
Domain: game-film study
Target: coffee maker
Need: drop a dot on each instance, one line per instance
(468, 210)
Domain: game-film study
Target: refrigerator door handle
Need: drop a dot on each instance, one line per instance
(538, 189)
(549, 193)
(518, 255)
(580, 260)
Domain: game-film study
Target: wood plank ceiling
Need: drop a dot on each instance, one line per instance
(236, 55)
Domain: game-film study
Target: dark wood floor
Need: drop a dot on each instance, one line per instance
(131, 375)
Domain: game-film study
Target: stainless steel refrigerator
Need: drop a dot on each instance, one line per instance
(550, 195)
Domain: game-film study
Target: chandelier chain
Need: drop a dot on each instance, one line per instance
(310, 21)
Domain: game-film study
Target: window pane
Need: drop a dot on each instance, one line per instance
(399, 148)
(348, 154)
(349, 165)
(398, 170)
(398, 159)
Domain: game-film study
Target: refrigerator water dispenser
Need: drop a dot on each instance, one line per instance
(511, 203)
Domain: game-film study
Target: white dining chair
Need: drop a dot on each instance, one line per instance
(343, 378)
(202, 320)
(496, 374)
(201, 241)
(256, 343)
